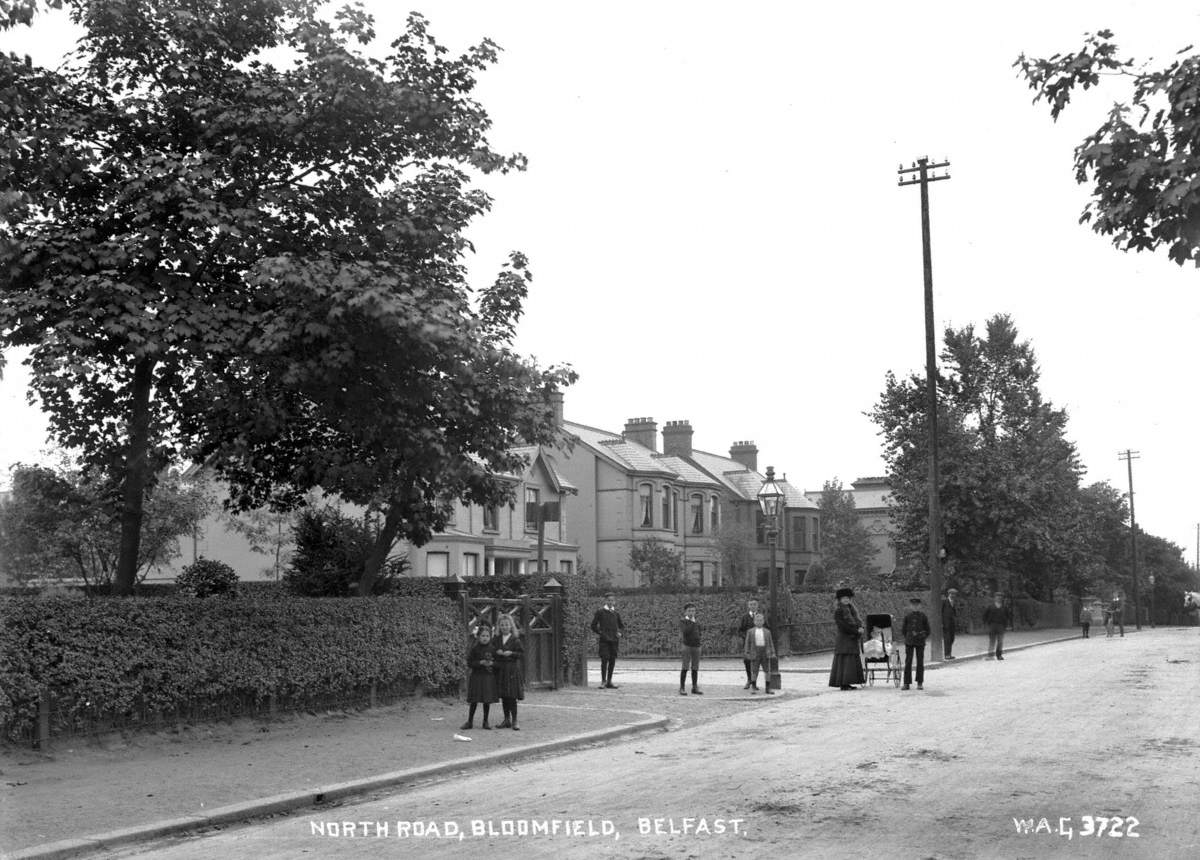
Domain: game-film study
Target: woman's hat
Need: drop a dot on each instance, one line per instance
(844, 592)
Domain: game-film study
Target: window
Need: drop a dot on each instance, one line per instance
(437, 564)
(798, 577)
(798, 535)
(531, 509)
(668, 505)
(491, 518)
(506, 567)
(696, 513)
(470, 564)
(645, 513)
(816, 535)
(565, 566)
(698, 572)
(715, 514)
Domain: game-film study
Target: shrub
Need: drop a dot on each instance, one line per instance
(331, 554)
(206, 577)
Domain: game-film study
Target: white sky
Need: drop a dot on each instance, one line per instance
(716, 234)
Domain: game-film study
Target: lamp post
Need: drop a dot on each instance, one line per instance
(769, 498)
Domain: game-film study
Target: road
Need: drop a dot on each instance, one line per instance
(1008, 759)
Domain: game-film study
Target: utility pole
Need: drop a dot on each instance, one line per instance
(1129, 456)
(922, 170)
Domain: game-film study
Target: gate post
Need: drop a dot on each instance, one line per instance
(554, 589)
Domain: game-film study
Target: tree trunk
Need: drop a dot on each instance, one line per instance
(137, 474)
(379, 552)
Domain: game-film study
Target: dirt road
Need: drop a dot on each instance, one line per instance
(1019, 758)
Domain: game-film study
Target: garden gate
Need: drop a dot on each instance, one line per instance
(538, 618)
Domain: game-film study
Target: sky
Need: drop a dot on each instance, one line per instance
(716, 234)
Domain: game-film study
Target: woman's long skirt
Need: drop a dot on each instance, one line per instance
(846, 671)
(510, 682)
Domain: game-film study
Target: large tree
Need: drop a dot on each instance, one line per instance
(226, 231)
(1009, 477)
(1141, 162)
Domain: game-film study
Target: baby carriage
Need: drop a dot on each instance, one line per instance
(880, 653)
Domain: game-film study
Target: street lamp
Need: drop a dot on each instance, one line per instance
(769, 498)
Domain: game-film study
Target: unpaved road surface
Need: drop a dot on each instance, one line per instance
(1008, 759)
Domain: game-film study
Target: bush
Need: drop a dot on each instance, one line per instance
(331, 555)
(206, 577)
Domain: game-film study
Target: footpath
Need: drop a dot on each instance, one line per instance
(91, 795)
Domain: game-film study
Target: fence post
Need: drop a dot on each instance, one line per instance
(43, 724)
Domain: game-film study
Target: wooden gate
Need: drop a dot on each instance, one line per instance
(538, 620)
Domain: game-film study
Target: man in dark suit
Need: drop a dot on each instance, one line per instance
(949, 620)
(606, 624)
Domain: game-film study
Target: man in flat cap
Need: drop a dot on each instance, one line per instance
(949, 619)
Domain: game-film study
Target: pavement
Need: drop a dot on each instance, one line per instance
(91, 796)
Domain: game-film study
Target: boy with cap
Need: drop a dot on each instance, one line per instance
(915, 630)
(949, 620)
(607, 625)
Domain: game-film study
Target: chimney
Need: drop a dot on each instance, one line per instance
(677, 439)
(643, 431)
(745, 453)
(555, 399)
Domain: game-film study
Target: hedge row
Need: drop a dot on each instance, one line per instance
(160, 655)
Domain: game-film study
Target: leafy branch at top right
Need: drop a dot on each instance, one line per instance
(1143, 161)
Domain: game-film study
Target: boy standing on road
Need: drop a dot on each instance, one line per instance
(1085, 620)
(915, 630)
(949, 621)
(995, 619)
(606, 624)
(758, 650)
(745, 624)
(690, 629)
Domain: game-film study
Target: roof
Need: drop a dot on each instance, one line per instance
(746, 482)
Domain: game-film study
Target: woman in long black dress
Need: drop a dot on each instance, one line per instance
(510, 680)
(847, 667)
(481, 684)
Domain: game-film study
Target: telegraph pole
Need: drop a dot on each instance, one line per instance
(923, 176)
(1129, 456)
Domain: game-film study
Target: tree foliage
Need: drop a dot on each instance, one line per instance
(1009, 476)
(229, 232)
(659, 566)
(1141, 161)
(59, 524)
(331, 552)
(846, 550)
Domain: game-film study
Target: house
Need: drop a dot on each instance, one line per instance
(703, 506)
(478, 541)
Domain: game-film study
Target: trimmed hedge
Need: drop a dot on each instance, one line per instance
(111, 657)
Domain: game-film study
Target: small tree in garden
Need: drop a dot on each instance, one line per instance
(331, 553)
(661, 568)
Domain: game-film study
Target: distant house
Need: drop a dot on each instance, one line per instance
(478, 541)
(704, 506)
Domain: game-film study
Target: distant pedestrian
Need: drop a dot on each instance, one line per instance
(510, 679)
(949, 622)
(916, 630)
(847, 669)
(1108, 622)
(995, 619)
(606, 624)
(1118, 618)
(481, 683)
(758, 649)
(1085, 620)
(689, 629)
(747, 622)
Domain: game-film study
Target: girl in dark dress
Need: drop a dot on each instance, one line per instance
(481, 684)
(510, 682)
(847, 667)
